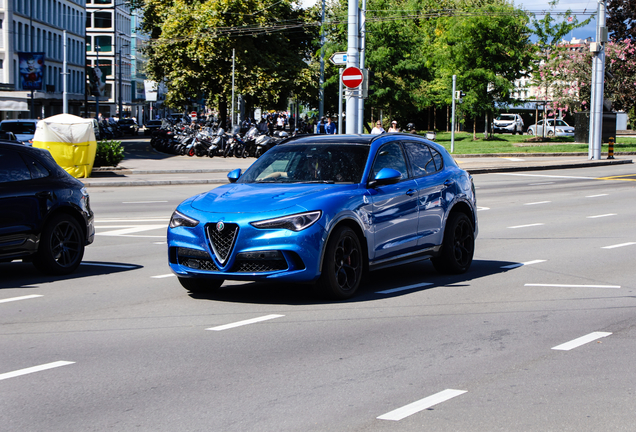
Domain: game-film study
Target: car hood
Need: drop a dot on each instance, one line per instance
(259, 198)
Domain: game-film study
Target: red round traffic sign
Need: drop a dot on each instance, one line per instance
(352, 77)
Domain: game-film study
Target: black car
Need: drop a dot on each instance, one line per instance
(151, 126)
(45, 213)
(128, 126)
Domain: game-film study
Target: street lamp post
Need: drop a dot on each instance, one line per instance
(120, 103)
(97, 94)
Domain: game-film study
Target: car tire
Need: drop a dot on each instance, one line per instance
(61, 246)
(550, 134)
(343, 265)
(458, 246)
(200, 286)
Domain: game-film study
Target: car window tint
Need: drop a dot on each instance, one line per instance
(390, 156)
(12, 167)
(36, 168)
(421, 159)
(437, 157)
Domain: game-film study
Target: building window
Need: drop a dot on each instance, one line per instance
(105, 43)
(103, 20)
(106, 66)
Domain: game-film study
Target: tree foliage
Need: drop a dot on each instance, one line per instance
(192, 45)
(621, 19)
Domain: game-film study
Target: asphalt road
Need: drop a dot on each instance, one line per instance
(119, 345)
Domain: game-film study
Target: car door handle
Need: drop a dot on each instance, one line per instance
(411, 192)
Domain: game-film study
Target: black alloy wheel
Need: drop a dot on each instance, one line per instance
(458, 246)
(343, 265)
(61, 246)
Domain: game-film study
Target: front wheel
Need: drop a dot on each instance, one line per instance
(200, 286)
(342, 266)
(61, 246)
(458, 246)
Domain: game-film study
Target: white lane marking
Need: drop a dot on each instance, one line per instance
(618, 245)
(160, 243)
(540, 184)
(574, 286)
(483, 208)
(595, 196)
(546, 176)
(142, 202)
(513, 159)
(245, 322)
(34, 369)
(108, 265)
(163, 276)
(130, 230)
(420, 405)
(600, 216)
(26, 297)
(389, 291)
(538, 202)
(581, 341)
(525, 226)
(511, 266)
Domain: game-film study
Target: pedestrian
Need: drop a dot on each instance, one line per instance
(330, 128)
(394, 127)
(378, 129)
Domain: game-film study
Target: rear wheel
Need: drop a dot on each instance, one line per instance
(550, 133)
(342, 266)
(200, 286)
(458, 246)
(61, 246)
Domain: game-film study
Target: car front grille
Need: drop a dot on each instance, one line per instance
(222, 237)
(259, 266)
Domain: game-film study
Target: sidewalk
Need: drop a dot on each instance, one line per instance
(143, 166)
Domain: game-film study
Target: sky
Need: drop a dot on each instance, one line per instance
(580, 8)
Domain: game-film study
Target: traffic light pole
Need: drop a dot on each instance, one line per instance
(453, 116)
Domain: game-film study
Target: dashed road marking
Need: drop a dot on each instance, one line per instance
(125, 266)
(596, 196)
(526, 226)
(581, 341)
(511, 266)
(245, 322)
(619, 245)
(34, 369)
(420, 405)
(538, 202)
(163, 276)
(409, 287)
(26, 297)
(601, 216)
(573, 286)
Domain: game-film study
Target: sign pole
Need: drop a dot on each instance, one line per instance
(453, 117)
(352, 62)
(340, 102)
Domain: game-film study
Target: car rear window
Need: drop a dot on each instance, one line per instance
(18, 127)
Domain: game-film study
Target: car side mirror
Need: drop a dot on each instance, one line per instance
(386, 176)
(233, 176)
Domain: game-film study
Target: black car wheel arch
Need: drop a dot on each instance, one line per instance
(458, 246)
(343, 264)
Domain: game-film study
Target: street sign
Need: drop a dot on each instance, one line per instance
(352, 77)
(338, 58)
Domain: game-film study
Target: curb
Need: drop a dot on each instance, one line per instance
(548, 167)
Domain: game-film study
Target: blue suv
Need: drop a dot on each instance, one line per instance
(327, 209)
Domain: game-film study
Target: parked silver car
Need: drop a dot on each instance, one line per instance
(555, 127)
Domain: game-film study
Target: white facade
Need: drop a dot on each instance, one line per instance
(108, 26)
(38, 26)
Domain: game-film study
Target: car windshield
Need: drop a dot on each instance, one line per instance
(18, 127)
(309, 163)
(506, 117)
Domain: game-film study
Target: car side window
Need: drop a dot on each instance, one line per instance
(390, 156)
(12, 167)
(36, 168)
(424, 160)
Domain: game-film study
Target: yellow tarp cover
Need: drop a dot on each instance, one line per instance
(71, 141)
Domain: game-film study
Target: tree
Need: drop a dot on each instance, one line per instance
(621, 19)
(574, 73)
(192, 44)
(486, 59)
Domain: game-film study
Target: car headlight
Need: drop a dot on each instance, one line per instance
(297, 222)
(179, 219)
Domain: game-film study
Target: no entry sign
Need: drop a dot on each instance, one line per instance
(352, 77)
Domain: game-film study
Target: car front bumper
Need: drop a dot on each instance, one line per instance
(256, 254)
